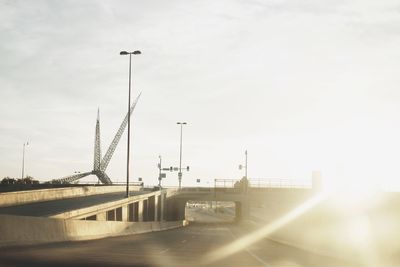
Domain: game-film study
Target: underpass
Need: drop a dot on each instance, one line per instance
(188, 246)
(316, 236)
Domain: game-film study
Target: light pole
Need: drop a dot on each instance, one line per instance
(180, 156)
(23, 158)
(246, 164)
(124, 53)
(159, 174)
(245, 179)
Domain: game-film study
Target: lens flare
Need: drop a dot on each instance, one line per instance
(245, 241)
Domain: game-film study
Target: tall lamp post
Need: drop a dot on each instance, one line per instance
(180, 155)
(245, 165)
(246, 181)
(245, 175)
(124, 53)
(23, 158)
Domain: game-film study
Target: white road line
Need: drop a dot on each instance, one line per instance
(165, 250)
(258, 258)
(184, 241)
(252, 254)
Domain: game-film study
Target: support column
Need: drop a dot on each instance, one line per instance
(125, 213)
(156, 205)
(140, 211)
(151, 208)
(242, 210)
(162, 206)
(102, 216)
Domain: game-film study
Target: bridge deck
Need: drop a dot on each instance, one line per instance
(48, 208)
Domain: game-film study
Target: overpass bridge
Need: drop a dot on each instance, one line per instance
(67, 213)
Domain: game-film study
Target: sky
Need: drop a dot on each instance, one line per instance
(302, 85)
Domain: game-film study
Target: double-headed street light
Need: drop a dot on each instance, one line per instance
(124, 53)
(180, 155)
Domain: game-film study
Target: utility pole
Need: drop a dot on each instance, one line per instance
(23, 159)
(246, 164)
(180, 155)
(245, 178)
(160, 175)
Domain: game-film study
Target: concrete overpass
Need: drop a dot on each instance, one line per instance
(111, 214)
(60, 214)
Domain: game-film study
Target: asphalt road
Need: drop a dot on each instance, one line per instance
(188, 246)
(48, 208)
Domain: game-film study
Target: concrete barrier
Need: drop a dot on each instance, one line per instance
(96, 209)
(24, 230)
(23, 197)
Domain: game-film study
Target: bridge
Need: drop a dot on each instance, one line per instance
(93, 212)
(29, 216)
(268, 216)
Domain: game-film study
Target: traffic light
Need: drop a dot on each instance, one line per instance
(170, 169)
(187, 168)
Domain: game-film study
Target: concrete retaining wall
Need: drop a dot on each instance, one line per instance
(22, 197)
(23, 230)
(96, 209)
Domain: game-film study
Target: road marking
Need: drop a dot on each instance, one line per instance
(184, 241)
(165, 250)
(257, 258)
(251, 253)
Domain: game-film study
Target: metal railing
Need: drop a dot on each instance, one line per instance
(263, 183)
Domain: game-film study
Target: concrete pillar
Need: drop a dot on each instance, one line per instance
(140, 211)
(242, 210)
(125, 213)
(146, 210)
(157, 206)
(162, 206)
(151, 208)
(102, 216)
(181, 208)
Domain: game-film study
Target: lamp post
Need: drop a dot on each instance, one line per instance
(245, 179)
(246, 164)
(180, 156)
(159, 174)
(23, 158)
(124, 53)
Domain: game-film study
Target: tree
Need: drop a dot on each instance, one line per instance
(8, 180)
(27, 180)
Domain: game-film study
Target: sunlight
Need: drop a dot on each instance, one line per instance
(353, 223)
(245, 241)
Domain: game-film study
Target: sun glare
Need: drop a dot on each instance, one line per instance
(246, 241)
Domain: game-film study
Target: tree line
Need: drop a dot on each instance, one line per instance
(26, 180)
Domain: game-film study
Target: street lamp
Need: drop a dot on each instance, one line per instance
(23, 158)
(180, 156)
(124, 53)
(245, 165)
(245, 178)
(159, 174)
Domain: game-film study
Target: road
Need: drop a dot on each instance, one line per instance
(188, 246)
(48, 208)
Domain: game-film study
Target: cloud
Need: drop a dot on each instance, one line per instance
(244, 74)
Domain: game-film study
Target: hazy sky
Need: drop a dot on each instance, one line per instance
(302, 85)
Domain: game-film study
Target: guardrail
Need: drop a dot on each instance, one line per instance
(263, 183)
